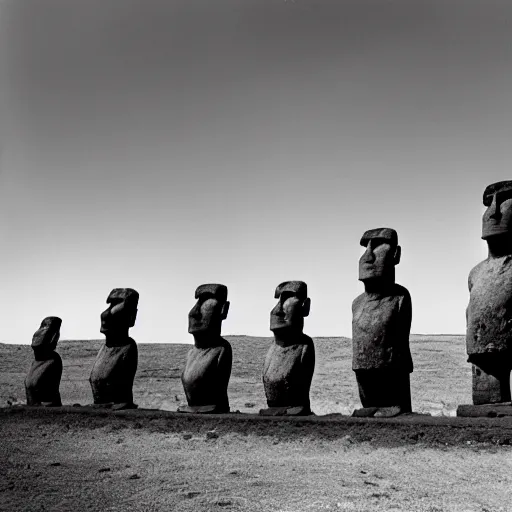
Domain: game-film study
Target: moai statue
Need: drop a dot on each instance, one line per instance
(290, 361)
(43, 379)
(489, 313)
(381, 324)
(116, 363)
(208, 367)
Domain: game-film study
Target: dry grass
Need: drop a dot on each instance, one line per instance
(79, 461)
(441, 379)
(72, 459)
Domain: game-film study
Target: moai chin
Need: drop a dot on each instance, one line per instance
(290, 361)
(114, 370)
(381, 323)
(43, 379)
(489, 315)
(205, 377)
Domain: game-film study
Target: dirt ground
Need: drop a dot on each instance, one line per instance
(75, 458)
(146, 461)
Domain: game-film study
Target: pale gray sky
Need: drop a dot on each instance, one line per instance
(160, 145)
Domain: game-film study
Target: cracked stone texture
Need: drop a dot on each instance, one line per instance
(43, 379)
(380, 330)
(206, 376)
(288, 372)
(113, 373)
(489, 314)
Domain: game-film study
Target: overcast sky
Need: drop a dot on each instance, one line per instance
(160, 145)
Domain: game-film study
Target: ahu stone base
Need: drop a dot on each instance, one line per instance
(485, 411)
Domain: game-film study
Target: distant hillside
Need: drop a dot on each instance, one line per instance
(441, 378)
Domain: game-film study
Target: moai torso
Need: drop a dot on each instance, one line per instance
(43, 381)
(489, 313)
(381, 324)
(288, 372)
(113, 373)
(206, 376)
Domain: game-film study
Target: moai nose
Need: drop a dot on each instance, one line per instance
(495, 208)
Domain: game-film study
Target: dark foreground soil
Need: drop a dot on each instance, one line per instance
(81, 459)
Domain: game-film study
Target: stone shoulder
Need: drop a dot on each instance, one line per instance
(357, 301)
(307, 340)
(402, 291)
(397, 291)
(474, 272)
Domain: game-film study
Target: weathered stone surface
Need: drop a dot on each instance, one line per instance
(490, 376)
(113, 374)
(497, 219)
(381, 323)
(205, 377)
(286, 411)
(384, 387)
(485, 411)
(380, 329)
(43, 379)
(489, 328)
(377, 412)
(198, 409)
(114, 370)
(290, 361)
(489, 313)
(388, 412)
(274, 411)
(365, 412)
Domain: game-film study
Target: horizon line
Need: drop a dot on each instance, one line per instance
(224, 336)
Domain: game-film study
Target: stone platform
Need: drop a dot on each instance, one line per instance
(400, 430)
(485, 411)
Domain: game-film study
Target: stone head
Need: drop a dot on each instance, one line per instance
(293, 305)
(45, 339)
(497, 219)
(211, 308)
(121, 312)
(381, 255)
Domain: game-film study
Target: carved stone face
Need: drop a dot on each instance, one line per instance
(381, 255)
(293, 305)
(48, 334)
(121, 312)
(497, 219)
(209, 311)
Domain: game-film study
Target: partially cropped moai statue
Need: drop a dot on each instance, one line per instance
(43, 379)
(489, 313)
(381, 324)
(114, 370)
(207, 370)
(290, 361)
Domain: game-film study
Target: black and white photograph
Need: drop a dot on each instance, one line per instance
(256, 255)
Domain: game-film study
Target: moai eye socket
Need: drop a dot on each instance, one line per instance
(502, 190)
(285, 296)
